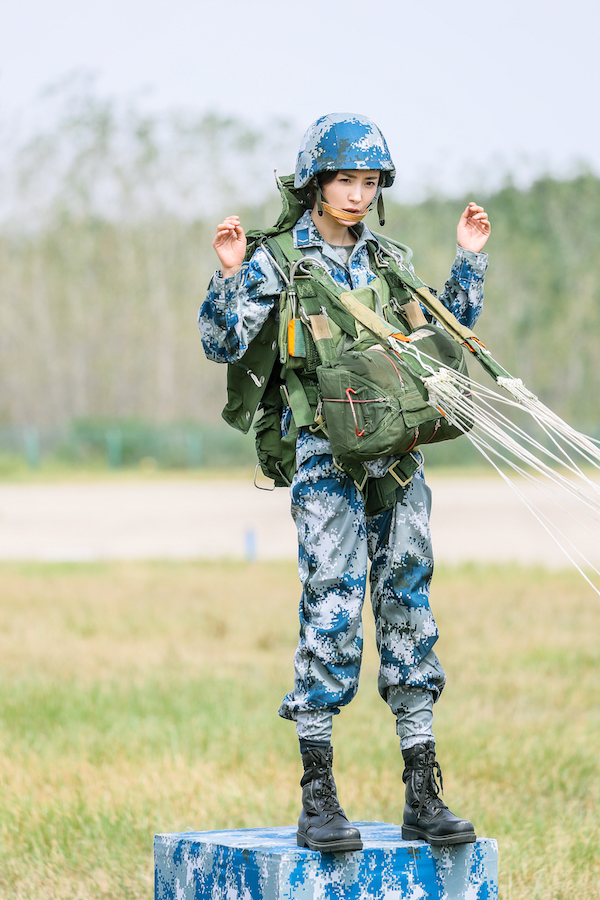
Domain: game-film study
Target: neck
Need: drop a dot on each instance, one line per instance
(332, 231)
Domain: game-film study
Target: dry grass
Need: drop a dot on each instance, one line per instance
(142, 697)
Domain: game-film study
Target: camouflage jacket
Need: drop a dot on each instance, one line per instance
(236, 308)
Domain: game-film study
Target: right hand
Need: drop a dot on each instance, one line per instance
(230, 245)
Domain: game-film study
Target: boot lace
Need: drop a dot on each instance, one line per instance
(429, 789)
(320, 770)
(328, 793)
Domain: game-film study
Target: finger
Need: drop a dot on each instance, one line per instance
(229, 222)
(229, 232)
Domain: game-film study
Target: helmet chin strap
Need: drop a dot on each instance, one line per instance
(341, 216)
(380, 209)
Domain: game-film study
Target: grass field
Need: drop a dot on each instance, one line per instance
(142, 697)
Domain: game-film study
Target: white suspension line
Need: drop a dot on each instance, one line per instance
(473, 408)
(540, 518)
(543, 486)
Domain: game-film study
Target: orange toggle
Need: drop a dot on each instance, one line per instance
(477, 341)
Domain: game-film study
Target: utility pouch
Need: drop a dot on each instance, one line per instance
(375, 406)
(276, 452)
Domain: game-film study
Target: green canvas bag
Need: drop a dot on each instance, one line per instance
(374, 406)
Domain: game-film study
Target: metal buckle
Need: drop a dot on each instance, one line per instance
(259, 486)
(359, 486)
(418, 457)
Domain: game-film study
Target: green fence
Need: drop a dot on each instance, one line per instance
(127, 443)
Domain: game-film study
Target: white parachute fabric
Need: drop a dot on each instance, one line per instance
(559, 462)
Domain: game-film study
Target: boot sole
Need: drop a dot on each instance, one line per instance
(409, 833)
(328, 847)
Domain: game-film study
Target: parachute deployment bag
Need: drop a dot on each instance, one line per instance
(371, 403)
(374, 406)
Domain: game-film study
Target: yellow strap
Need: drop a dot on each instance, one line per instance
(366, 316)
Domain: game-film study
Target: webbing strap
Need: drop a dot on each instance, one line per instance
(299, 404)
(282, 248)
(285, 243)
(378, 493)
(459, 332)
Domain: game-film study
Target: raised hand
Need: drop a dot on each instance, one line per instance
(473, 228)
(230, 245)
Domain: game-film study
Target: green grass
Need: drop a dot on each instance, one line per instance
(142, 697)
(14, 469)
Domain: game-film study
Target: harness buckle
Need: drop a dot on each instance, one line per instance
(418, 458)
(260, 486)
(359, 485)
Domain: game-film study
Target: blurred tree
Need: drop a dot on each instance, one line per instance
(107, 215)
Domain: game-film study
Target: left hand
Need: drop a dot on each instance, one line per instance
(473, 228)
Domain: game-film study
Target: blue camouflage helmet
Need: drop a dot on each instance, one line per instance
(343, 141)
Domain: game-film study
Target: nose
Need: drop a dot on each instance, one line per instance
(356, 192)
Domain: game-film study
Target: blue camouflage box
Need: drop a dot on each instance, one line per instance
(266, 864)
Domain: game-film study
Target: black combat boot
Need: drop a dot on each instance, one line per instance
(426, 818)
(323, 825)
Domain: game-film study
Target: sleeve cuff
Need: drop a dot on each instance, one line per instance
(225, 288)
(232, 281)
(477, 261)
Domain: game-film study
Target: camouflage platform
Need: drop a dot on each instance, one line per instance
(266, 864)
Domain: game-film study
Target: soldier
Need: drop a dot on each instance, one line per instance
(342, 167)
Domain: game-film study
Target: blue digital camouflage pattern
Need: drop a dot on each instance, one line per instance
(343, 141)
(236, 308)
(266, 864)
(335, 540)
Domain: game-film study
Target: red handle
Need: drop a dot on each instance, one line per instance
(348, 392)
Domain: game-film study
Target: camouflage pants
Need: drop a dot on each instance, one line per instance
(336, 540)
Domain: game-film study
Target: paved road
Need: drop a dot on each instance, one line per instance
(478, 519)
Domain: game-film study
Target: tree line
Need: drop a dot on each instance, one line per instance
(105, 255)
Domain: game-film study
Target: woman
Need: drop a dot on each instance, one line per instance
(343, 166)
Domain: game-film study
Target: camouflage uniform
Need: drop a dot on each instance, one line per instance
(335, 537)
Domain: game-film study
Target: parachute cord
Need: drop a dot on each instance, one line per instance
(540, 517)
(579, 443)
(553, 470)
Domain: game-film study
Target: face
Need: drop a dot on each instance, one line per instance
(352, 190)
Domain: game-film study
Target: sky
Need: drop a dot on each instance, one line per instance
(464, 92)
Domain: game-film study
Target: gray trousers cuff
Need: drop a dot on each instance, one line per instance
(315, 725)
(413, 708)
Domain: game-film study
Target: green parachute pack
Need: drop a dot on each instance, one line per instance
(322, 353)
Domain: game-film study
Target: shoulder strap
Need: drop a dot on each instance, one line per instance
(421, 292)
